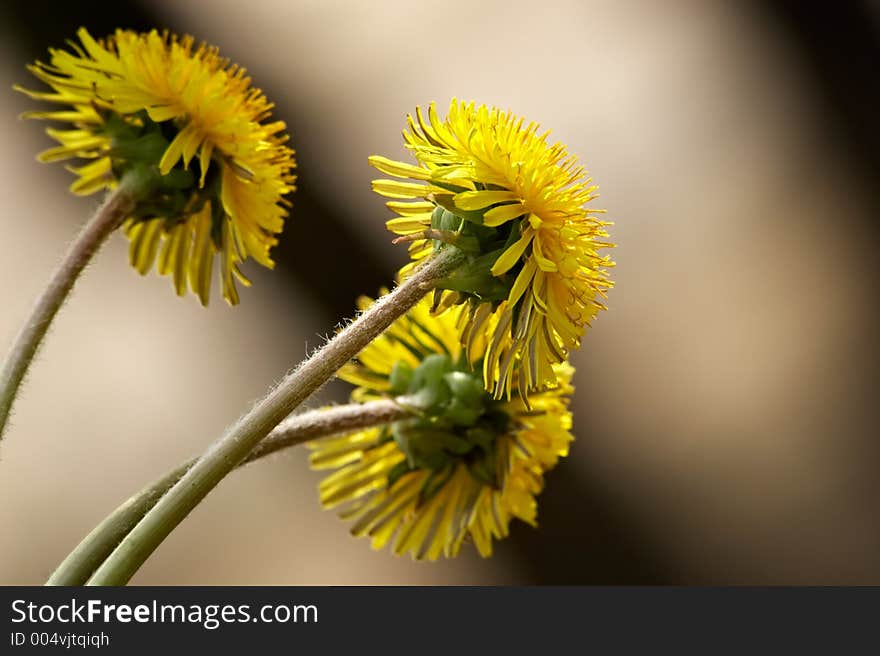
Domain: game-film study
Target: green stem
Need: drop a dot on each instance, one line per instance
(238, 440)
(93, 234)
(97, 545)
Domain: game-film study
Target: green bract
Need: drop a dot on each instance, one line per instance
(456, 418)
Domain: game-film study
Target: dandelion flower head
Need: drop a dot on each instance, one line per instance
(463, 467)
(189, 121)
(492, 185)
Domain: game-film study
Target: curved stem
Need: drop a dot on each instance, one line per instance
(81, 563)
(238, 440)
(97, 545)
(112, 212)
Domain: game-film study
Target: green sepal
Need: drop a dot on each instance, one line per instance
(481, 436)
(462, 414)
(420, 446)
(476, 279)
(427, 389)
(148, 148)
(444, 440)
(465, 386)
(457, 421)
(468, 398)
(400, 378)
(450, 227)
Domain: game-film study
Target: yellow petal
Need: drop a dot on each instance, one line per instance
(409, 209)
(523, 280)
(159, 113)
(202, 260)
(179, 147)
(511, 255)
(395, 189)
(408, 224)
(502, 214)
(145, 237)
(399, 169)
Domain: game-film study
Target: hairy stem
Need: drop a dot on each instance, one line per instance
(97, 545)
(93, 234)
(238, 440)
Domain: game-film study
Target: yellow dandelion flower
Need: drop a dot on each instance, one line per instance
(490, 184)
(161, 104)
(463, 467)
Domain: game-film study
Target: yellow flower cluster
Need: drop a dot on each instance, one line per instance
(464, 467)
(167, 105)
(488, 182)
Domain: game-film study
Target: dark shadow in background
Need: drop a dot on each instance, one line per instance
(838, 47)
(585, 537)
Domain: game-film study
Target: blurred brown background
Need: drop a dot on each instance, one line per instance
(726, 413)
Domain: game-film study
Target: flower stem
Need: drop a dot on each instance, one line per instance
(112, 212)
(97, 545)
(238, 440)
